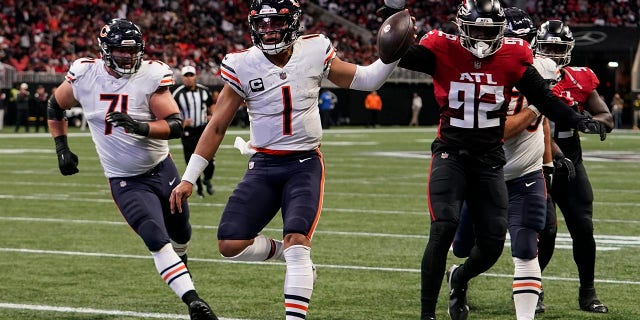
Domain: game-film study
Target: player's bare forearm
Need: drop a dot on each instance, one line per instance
(226, 108)
(57, 127)
(599, 110)
(547, 157)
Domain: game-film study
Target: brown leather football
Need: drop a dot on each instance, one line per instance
(395, 36)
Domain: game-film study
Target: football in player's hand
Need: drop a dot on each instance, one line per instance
(395, 36)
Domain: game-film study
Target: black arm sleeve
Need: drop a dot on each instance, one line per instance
(535, 89)
(175, 125)
(420, 59)
(54, 112)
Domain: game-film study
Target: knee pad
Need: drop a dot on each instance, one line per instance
(153, 235)
(524, 243)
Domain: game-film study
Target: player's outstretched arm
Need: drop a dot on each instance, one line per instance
(226, 107)
(366, 78)
(395, 36)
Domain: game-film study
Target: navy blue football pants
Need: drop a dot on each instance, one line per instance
(143, 201)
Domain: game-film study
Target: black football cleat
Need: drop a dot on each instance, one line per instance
(458, 308)
(589, 301)
(200, 310)
(540, 307)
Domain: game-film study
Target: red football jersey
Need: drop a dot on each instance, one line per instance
(473, 93)
(576, 85)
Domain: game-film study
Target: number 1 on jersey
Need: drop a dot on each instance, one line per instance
(286, 112)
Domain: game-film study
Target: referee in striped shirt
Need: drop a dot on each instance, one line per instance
(196, 104)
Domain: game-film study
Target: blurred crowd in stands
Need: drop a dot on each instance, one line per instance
(48, 35)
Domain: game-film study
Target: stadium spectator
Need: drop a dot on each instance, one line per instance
(286, 169)
(130, 124)
(636, 111)
(3, 108)
(23, 104)
(326, 105)
(196, 105)
(373, 104)
(617, 107)
(39, 111)
(416, 106)
(36, 33)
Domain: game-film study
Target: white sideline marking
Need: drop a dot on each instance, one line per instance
(36, 307)
(327, 266)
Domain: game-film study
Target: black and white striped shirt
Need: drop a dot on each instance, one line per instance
(194, 104)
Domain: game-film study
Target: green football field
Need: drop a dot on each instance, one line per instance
(66, 253)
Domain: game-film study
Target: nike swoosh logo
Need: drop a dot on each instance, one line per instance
(529, 184)
(303, 160)
(172, 181)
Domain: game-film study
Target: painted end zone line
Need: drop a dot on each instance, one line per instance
(97, 311)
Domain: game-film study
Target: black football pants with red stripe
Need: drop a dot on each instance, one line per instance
(455, 178)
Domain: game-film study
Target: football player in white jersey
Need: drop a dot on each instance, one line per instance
(527, 146)
(279, 78)
(131, 114)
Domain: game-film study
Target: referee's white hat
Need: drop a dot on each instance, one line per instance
(188, 69)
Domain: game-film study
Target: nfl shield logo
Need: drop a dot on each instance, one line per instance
(283, 75)
(444, 155)
(251, 164)
(477, 64)
(123, 184)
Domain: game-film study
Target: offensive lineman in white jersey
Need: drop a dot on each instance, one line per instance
(527, 147)
(279, 78)
(131, 114)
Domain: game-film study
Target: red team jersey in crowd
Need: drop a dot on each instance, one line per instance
(473, 93)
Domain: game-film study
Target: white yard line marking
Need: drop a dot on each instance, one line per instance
(35, 307)
(324, 266)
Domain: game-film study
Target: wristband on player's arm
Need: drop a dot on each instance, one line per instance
(196, 165)
(61, 143)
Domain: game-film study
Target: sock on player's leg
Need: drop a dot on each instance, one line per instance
(298, 284)
(527, 284)
(172, 270)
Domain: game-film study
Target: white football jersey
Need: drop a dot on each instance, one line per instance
(282, 102)
(121, 154)
(524, 151)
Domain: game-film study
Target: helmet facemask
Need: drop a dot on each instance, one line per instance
(557, 50)
(482, 37)
(124, 60)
